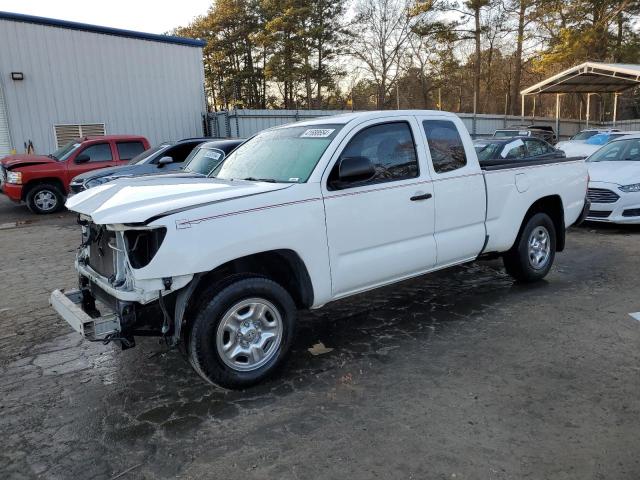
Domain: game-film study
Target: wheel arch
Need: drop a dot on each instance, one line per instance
(56, 182)
(283, 266)
(551, 205)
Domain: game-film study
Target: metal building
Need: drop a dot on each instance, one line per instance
(60, 80)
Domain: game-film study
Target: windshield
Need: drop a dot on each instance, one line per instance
(141, 157)
(584, 135)
(283, 155)
(618, 151)
(203, 160)
(487, 150)
(65, 151)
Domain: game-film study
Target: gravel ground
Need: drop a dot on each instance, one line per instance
(457, 375)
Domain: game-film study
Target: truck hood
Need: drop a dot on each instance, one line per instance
(142, 199)
(621, 173)
(16, 161)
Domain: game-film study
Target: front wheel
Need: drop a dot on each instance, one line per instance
(531, 258)
(243, 333)
(45, 198)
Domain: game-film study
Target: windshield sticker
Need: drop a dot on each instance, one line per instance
(212, 154)
(317, 133)
(294, 179)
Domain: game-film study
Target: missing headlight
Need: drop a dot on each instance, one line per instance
(142, 245)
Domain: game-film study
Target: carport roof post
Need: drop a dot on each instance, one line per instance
(589, 78)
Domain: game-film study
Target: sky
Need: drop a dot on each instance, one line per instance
(150, 16)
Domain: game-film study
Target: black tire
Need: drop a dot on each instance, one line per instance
(518, 261)
(44, 199)
(203, 350)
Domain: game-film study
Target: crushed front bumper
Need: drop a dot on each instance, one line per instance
(69, 305)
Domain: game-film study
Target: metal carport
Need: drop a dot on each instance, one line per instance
(590, 78)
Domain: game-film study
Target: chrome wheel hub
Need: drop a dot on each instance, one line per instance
(539, 247)
(45, 200)
(249, 334)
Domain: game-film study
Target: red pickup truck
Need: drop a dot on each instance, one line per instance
(42, 181)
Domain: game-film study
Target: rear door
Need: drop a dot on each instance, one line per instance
(127, 150)
(458, 189)
(380, 229)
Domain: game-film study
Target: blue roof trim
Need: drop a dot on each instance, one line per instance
(53, 22)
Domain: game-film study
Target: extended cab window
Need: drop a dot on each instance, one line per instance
(129, 150)
(445, 145)
(100, 152)
(389, 147)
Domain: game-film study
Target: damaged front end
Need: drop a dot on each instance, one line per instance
(113, 301)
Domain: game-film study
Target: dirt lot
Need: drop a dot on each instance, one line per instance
(460, 374)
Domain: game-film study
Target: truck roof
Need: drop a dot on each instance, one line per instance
(110, 137)
(345, 118)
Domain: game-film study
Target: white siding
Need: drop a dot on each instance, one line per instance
(5, 139)
(131, 85)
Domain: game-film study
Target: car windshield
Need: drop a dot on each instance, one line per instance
(618, 151)
(286, 155)
(63, 152)
(141, 157)
(584, 135)
(487, 150)
(203, 160)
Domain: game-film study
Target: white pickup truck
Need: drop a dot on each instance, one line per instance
(299, 216)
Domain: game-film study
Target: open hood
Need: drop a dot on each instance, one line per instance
(140, 199)
(16, 161)
(621, 173)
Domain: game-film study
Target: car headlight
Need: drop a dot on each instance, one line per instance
(634, 187)
(14, 177)
(94, 182)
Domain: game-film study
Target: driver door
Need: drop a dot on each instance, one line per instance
(379, 229)
(100, 155)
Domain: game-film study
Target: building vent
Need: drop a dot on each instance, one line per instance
(68, 132)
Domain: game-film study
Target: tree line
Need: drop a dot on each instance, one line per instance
(457, 55)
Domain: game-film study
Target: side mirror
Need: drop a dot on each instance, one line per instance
(355, 169)
(164, 161)
(82, 158)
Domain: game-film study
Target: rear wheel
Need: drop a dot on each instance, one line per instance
(532, 256)
(45, 198)
(243, 333)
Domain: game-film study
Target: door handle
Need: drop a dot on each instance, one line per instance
(424, 196)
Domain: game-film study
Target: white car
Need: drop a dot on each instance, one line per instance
(584, 148)
(614, 186)
(299, 216)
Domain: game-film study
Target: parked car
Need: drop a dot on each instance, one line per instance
(614, 185)
(42, 181)
(207, 156)
(584, 135)
(296, 217)
(514, 148)
(590, 145)
(165, 158)
(545, 133)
